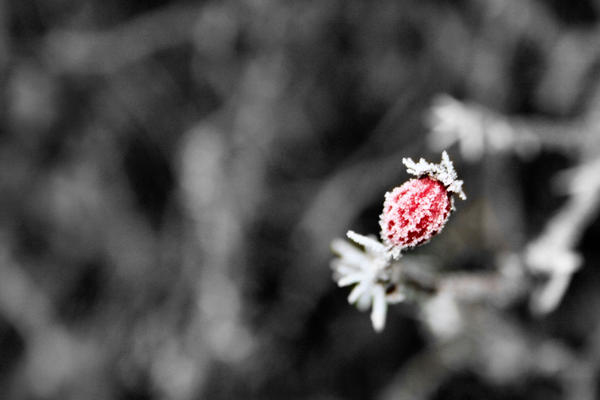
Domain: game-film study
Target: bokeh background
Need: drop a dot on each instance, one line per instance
(172, 174)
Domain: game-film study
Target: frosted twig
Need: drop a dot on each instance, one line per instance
(552, 253)
(478, 130)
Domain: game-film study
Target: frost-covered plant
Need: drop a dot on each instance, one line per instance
(412, 214)
(552, 256)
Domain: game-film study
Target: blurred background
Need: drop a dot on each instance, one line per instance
(173, 173)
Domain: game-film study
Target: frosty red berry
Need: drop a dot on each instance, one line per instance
(418, 209)
(414, 212)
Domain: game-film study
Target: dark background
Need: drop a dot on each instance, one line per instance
(173, 172)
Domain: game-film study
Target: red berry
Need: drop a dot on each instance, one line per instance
(414, 212)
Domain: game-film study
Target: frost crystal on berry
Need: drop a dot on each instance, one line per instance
(418, 209)
(443, 172)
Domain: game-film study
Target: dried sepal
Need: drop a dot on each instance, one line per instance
(368, 270)
(443, 172)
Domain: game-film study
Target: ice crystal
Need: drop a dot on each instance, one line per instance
(443, 172)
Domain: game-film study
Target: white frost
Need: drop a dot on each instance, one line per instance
(369, 271)
(443, 172)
